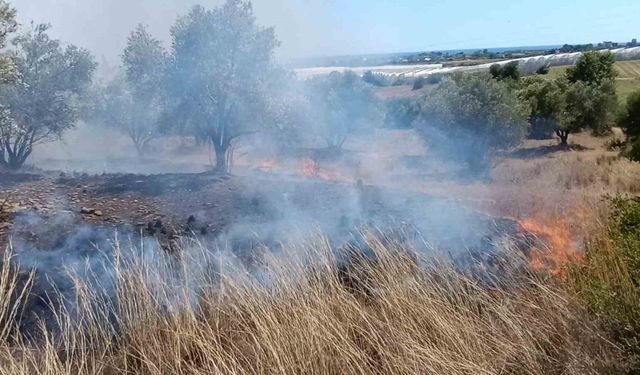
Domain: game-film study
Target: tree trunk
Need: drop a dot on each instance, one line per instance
(563, 135)
(221, 158)
(15, 163)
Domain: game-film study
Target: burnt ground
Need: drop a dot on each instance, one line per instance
(269, 207)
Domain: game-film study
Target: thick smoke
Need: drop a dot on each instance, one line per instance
(271, 212)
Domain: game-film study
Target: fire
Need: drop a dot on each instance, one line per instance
(268, 165)
(310, 169)
(559, 248)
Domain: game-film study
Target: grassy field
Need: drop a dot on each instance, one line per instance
(627, 82)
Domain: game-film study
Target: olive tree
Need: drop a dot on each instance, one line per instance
(469, 116)
(43, 103)
(546, 99)
(593, 68)
(219, 72)
(132, 102)
(340, 104)
(8, 25)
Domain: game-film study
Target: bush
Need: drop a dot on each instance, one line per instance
(634, 152)
(543, 70)
(509, 70)
(401, 113)
(629, 118)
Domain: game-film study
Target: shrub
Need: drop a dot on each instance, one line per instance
(629, 117)
(543, 70)
(401, 113)
(509, 70)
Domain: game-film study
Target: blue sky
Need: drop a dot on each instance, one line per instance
(332, 27)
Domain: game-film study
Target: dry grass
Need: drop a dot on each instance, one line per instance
(397, 315)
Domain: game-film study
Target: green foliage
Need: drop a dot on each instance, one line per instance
(546, 98)
(593, 68)
(634, 152)
(629, 117)
(401, 113)
(341, 104)
(8, 25)
(221, 65)
(375, 79)
(610, 278)
(44, 103)
(509, 70)
(469, 116)
(590, 107)
(431, 79)
(543, 70)
(133, 103)
(144, 61)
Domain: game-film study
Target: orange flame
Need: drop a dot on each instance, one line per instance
(558, 247)
(310, 169)
(268, 165)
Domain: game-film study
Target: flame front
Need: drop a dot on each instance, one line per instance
(310, 169)
(560, 248)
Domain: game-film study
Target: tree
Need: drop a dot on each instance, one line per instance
(588, 107)
(133, 102)
(120, 107)
(220, 68)
(8, 25)
(593, 68)
(510, 70)
(469, 116)
(44, 102)
(341, 104)
(144, 62)
(401, 113)
(546, 99)
(629, 117)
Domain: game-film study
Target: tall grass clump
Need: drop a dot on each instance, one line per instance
(305, 310)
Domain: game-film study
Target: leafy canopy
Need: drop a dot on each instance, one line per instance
(341, 103)
(470, 115)
(44, 102)
(593, 68)
(220, 67)
(133, 101)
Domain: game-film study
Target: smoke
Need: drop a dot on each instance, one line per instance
(268, 213)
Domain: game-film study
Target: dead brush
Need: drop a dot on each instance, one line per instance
(421, 315)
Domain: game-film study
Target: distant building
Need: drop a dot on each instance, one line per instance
(634, 42)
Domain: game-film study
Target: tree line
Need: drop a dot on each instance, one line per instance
(218, 82)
